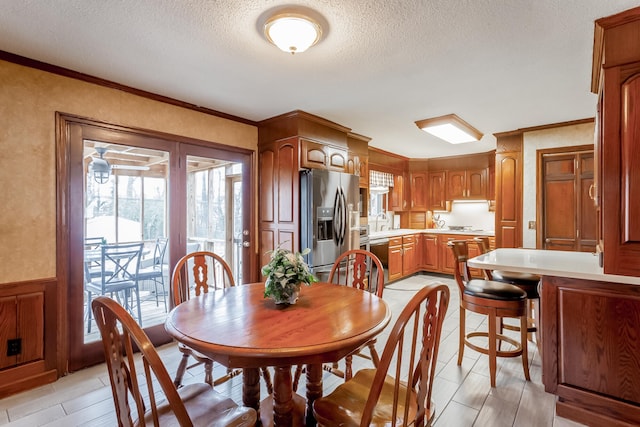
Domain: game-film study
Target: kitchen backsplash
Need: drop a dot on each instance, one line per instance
(473, 214)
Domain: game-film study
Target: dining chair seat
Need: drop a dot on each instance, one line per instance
(349, 398)
(526, 281)
(494, 290)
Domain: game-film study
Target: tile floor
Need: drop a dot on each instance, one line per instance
(462, 394)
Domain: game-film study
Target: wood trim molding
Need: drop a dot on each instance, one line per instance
(61, 71)
(600, 27)
(544, 127)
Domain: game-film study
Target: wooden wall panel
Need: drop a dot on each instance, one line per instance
(8, 329)
(630, 160)
(267, 185)
(596, 360)
(31, 326)
(267, 244)
(287, 186)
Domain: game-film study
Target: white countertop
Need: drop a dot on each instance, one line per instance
(577, 265)
(404, 231)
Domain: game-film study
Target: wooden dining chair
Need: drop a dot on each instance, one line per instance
(162, 404)
(194, 274)
(363, 270)
(398, 391)
(496, 300)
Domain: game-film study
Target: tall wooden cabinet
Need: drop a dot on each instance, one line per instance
(616, 78)
(279, 196)
(508, 176)
(286, 144)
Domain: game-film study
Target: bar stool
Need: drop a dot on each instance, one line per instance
(495, 299)
(526, 281)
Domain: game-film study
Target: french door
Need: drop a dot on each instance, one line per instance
(191, 194)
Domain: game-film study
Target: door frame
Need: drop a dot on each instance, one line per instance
(540, 197)
(71, 130)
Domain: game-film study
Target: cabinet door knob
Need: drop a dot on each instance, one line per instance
(591, 191)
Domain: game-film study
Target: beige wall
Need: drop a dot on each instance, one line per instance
(565, 136)
(29, 99)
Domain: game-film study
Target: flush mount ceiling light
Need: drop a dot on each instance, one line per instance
(450, 128)
(292, 32)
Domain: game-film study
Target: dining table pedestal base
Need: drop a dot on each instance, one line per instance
(284, 407)
(297, 415)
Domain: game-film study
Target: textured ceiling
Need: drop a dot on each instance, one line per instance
(382, 64)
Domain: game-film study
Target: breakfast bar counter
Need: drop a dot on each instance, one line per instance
(590, 329)
(576, 265)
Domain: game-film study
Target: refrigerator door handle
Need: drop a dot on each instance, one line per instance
(343, 211)
(336, 218)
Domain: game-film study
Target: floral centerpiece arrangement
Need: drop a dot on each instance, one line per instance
(285, 273)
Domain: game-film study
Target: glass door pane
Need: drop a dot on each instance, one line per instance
(125, 202)
(214, 209)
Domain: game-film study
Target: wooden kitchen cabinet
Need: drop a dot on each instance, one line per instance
(400, 193)
(395, 259)
(467, 185)
(358, 157)
(315, 155)
(413, 253)
(279, 197)
(419, 193)
(508, 207)
(616, 78)
(447, 261)
(437, 200)
(419, 251)
(591, 351)
(431, 253)
(409, 261)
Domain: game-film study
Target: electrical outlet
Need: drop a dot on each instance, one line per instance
(14, 347)
(532, 225)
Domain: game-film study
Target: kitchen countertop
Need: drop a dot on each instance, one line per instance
(404, 231)
(576, 265)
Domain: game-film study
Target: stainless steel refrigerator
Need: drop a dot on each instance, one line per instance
(329, 217)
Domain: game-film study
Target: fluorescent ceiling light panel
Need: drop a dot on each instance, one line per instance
(450, 128)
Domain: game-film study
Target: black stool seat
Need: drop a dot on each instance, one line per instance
(494, 290)
(526, 281)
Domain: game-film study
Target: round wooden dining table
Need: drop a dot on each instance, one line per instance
(239, 328)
